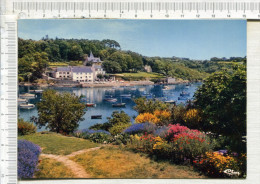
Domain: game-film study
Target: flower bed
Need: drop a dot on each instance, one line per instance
(28, 155)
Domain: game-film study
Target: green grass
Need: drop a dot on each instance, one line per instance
(52, 143)
(112, 162)
(50, 168)
(57, 64)
(143, 74)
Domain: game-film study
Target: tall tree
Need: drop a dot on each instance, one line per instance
(222, 99)
(59, 112)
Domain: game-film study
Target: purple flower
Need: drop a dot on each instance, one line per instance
(140, 128)
(28, 156)
(161, 131)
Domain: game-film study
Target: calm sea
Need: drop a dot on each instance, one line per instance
(104, 108)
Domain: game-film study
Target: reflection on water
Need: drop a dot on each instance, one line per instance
(104, 108)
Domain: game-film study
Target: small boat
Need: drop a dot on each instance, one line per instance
(36, 91)
(184, 94)
(96, 117)
(110, 99)
(126, 95)
(22, 100)
(166, 88)
(27, 96)
(170, 101)
(182, 98)
(90, 104)
(119, 105)
(26, 106)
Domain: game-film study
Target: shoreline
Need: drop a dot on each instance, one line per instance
(104, 84)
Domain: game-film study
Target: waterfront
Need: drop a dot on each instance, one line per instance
(104, 108)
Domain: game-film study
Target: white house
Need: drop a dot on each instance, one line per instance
(63, 73)
(83, 74)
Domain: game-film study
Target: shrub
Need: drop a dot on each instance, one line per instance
(28, 155)
(217, 165)
(161, 131)
(178, 113)
(147, 117)
(175, 129)
(121, 139)
(164, 117)
(98, 136)
(191, 143)
(142, 143)
(192, 118)
(140, 128)
(25, 128)
(101, 138)
(118, 128)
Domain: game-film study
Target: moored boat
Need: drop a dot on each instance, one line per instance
(26, 106)
(110, 99)
(27, 96)
(119, 105)
(184, 94)
(90, 104)
(170, 101)
(36, 91)
(126, 95)
(166, 88)
(96, 117)
(22, 100)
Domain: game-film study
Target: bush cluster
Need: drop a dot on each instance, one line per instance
(25, 128)
(217, 165)
(176, 142)
(28, 155)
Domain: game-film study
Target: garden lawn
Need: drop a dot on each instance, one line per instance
(52, 143)
(112, 162)
(50, 168)
(143, 74)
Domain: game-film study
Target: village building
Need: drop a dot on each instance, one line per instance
(171, 80)
(91, 60)
(81, 73)
(148, 68)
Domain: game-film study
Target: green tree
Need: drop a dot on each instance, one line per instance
(75, 52)
(111, 67)
(222, 99)
(59, 112)
(143, 105)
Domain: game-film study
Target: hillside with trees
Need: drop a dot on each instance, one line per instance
(35, 56)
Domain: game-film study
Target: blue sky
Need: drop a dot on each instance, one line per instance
(195, 39)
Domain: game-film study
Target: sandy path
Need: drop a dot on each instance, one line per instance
(77, 169)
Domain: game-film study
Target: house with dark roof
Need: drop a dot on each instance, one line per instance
(64, 73)
(75, 73)
(91, 60)
(83, 74)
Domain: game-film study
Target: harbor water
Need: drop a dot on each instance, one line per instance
(105, 108)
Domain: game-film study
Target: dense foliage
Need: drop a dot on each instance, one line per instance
(222, 100)
(28, 155)
(149, 106)
(59, 112)
(35, 56)
(116, 123)
(25, 128)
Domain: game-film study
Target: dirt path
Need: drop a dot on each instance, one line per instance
(77, 169)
